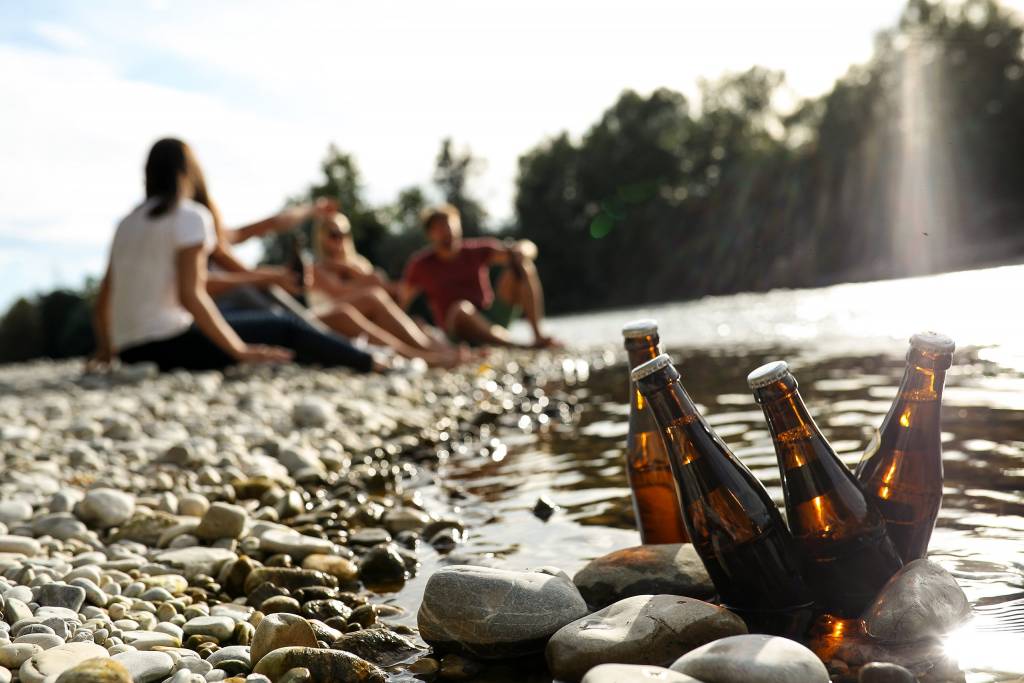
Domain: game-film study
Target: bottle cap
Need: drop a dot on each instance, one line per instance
(932, 342)
(645, 327)
(650, 367)
(769, 373)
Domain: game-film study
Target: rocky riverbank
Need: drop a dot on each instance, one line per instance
(201, 527)
(253, 526)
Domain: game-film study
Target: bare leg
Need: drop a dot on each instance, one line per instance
(379, 307)
(465, 322)
(348, 321)
(524, 289)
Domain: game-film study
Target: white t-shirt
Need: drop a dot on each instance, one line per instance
(145, 306)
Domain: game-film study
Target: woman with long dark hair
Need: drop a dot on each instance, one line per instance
(153, 303)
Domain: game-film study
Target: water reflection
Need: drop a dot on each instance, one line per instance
(578, 466)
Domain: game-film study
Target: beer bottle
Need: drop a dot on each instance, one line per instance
(901, 471)
(298, 262)
(733, 523)
(655, 502)
(847, 554)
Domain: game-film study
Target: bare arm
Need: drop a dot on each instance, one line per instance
(282, 222)
(407, 293)
(101, 321)
(191, 264)
(234, 273)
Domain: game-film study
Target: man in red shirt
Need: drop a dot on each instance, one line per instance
(454, 275)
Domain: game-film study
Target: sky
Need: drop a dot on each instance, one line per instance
(259, 89)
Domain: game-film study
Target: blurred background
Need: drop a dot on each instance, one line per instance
(656, 152)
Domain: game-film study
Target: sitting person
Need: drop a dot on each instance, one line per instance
(454, 275)
(153, 304)
(352, 297)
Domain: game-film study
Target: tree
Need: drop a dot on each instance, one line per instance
(453, 172)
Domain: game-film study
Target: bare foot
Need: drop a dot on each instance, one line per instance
(546, 342)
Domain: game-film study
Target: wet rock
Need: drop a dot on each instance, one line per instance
(457, 668)
(340, 568)
(543, 509)
(222, 520)
(671, 569)
(378, 645)
(106, 507)
(920, 601)
(752, 659)
(882, 672)
(323, 665)
(495, 613)
(53, 662)
(634, 673)
(405, 519)
(644, 629)
(383, 564)
(288, 578)
(324, 610)
(299, 546)
(276, 631)
(99, 670)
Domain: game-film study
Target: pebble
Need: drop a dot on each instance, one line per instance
(53, 662)
(219, 628)
(671, 569)
(920, 601)
(752, 659)
(222, 520)
(59, 595)
(323, 665)
(496, 613)
(106, 507)
(23, 545)
(299, 546)
(344, 570)
(644, 629)
(276, 631)
(146, 667)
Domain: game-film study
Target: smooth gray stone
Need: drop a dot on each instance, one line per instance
(920, 601)
(635, 673)
(232, 652)
(14, 511)
(670, 569)
(753, 659)
(297, 545)
(46, 666)
(495, 613)
(222, 520)
(59, 595)
(24, 545)
(197, 560)
(146, 667)
(105, 507)
(644, 629)
(220, 628)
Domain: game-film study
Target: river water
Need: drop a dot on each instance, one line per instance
(846, 345)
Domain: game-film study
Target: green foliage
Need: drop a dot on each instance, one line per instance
(661, 200)
(664, 199)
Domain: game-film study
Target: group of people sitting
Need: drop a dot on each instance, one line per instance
(175, 294)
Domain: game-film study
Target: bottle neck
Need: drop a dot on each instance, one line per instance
(639, 351)
(923, 378)
(672, 406)
(792, 427)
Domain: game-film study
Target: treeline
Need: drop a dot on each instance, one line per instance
(910, 164)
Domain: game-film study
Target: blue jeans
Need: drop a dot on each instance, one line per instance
(192, 350)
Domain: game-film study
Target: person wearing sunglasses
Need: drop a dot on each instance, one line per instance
(352, 297)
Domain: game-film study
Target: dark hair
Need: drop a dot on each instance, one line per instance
(431, 214)
(170, 161)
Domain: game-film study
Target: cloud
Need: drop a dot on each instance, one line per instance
(61, 36)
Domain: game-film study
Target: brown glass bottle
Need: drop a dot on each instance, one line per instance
(901, 471)
(655, 501)
(733, 523)
(847, 554)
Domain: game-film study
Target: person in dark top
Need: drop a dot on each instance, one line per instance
(454, 275)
